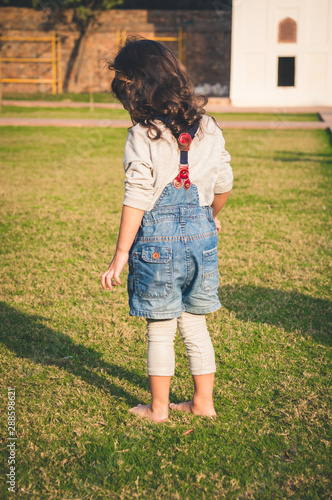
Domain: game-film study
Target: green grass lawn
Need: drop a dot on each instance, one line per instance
(121, 114)
(78, 360)
(41, 96)
(81, 113)
(276, 117)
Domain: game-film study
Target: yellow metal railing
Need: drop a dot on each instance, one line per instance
(181, 39)
(55, 61)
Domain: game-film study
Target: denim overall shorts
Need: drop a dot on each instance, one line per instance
(173, 262)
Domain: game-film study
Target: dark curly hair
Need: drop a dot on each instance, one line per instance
(149, 80)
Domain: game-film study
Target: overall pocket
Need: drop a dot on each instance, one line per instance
(210, 278)
(153, 271)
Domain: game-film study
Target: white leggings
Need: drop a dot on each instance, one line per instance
(195, 335)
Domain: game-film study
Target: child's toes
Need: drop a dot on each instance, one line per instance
(174, 406)
(133, 409)
(187, 406)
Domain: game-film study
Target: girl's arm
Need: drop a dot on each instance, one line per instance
(218, 202)
(130, 222)
(224, 182)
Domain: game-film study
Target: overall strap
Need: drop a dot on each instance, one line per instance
(184, 154)
(184, 139)
(167, 120)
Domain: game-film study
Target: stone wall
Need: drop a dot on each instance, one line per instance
(83, 61)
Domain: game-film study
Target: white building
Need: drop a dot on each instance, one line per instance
(281, 53)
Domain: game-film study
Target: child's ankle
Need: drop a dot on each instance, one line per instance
(158, 407)
(198, 402)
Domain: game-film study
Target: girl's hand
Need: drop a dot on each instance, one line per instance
(131, 219)
(112, 276)
(218, 224)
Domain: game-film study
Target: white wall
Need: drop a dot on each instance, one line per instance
(255, 52)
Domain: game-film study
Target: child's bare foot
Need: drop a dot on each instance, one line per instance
(189, 407)
(146, 411)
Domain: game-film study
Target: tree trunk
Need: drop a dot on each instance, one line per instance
(77, 54)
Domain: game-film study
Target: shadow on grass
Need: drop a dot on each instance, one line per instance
(289, 310)
(29, 338)
(289, 156)
(329, 134)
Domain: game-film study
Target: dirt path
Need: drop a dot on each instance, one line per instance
(214, 105)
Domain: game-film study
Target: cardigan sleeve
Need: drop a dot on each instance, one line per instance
(139, 185)
(224, 182)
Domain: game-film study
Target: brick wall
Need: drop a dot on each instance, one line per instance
(83, 60)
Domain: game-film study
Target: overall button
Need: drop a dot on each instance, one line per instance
(184, 174)
(155, 255)
(177, 182)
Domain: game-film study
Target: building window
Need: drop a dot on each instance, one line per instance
(287, 31)
(286, 71)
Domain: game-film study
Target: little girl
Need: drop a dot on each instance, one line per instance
(169, 231)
